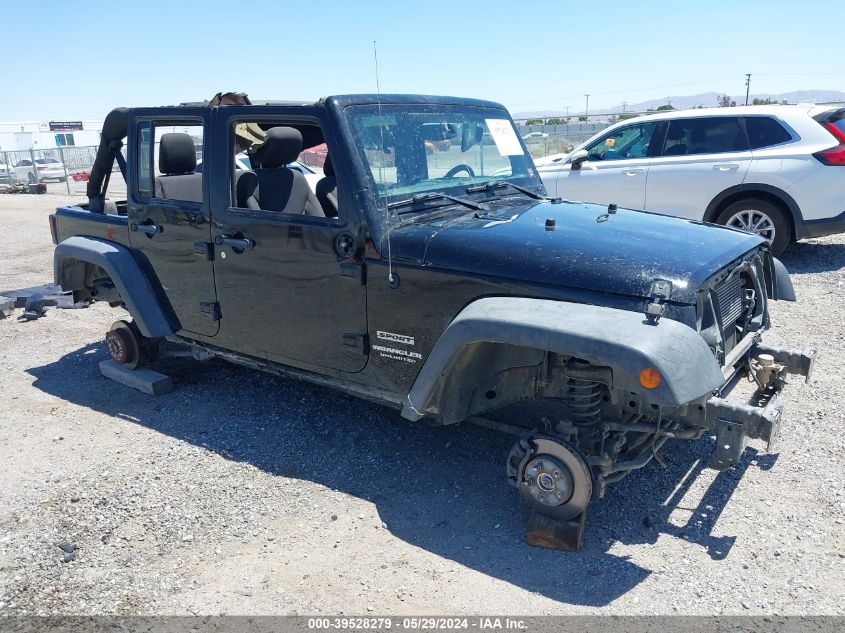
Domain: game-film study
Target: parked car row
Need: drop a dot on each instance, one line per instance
(773, 170)
(46, 169)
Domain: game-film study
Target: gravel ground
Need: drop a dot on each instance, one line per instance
(243, 493)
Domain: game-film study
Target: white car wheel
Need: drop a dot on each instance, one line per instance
(753, 221)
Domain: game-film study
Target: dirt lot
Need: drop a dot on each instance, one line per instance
(244, 493)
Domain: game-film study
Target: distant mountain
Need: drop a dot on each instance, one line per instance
(705, 99)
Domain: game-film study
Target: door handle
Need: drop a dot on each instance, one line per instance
(633, 172)
(238, 244)
(149, 229)
(726, 166)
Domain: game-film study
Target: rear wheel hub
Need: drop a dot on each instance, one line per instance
(123, 345)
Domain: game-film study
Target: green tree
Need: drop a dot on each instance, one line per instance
(531, 122)
(626, 115)
(557, 121)
(724, 101)
(582, 118)
(765, 101)
(665, 107)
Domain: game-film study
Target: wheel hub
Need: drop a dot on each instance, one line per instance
(548, 480)
(551, 476)
(122, 344)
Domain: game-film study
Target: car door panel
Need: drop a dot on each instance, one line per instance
(619, 182)
(616, 170)
(171, 236)
(712, 156)
(293, 296)
(683, 186)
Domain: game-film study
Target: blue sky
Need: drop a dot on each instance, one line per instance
(529, 56)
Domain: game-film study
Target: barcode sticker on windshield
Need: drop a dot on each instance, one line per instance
(504, 136)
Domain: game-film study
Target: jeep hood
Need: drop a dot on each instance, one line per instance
(587, 248)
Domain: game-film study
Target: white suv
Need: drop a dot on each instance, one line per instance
(778, 171)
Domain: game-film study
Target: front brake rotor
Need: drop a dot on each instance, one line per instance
(552, 477)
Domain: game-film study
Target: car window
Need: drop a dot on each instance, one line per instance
(420, 148)
(704, 135)
(24, 163)
(176, 178)
(765, 131)
(267, 186)
(631, 141)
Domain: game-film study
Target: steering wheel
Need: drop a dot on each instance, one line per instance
(459, 168)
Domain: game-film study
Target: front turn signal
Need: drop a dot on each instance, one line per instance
(650, 378)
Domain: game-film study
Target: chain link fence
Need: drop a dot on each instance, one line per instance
(38, 165)
(545, 137)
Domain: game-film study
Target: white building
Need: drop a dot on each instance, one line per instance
(26, 135)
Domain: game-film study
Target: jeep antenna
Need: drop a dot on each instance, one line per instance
(390, 277)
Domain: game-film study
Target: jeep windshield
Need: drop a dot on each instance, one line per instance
(413, 149)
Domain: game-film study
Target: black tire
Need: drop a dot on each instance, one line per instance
(769, 217)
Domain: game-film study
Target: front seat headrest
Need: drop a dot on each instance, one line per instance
(282, 146)
(177, 154)
(328, 168)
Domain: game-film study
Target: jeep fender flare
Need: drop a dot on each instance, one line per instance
(69, 261)
(619, 339)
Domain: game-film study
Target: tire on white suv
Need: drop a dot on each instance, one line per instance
(759, 216)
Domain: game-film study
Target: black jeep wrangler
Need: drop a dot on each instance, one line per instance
(422, 266)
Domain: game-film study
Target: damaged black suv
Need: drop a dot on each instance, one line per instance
(422, 266)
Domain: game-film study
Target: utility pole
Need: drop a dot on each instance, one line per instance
(747, 86)
(587, 107)
(567, 108)
(624, 106)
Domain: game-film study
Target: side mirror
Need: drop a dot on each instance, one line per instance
(578, 158)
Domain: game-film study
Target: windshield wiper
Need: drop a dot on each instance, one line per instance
(501, 184)
(433, 195)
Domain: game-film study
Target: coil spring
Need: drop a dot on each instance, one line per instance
(583, 401)
(583, 398)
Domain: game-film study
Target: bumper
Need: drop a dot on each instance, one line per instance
(820, 228)
(761, 418)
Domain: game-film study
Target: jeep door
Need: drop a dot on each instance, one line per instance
(616, 169)
(290, 286)
(700, 158)
(168, 212)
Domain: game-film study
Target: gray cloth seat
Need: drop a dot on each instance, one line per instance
(177, 160)
(326, 189)
(273, 186)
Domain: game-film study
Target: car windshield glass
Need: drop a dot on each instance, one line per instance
(416, 148)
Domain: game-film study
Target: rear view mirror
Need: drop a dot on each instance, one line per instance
(578, 158)
(438, 132)
(471, 135)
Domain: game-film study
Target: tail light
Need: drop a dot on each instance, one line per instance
(54, 232)
(41, 167)
(834, 155)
